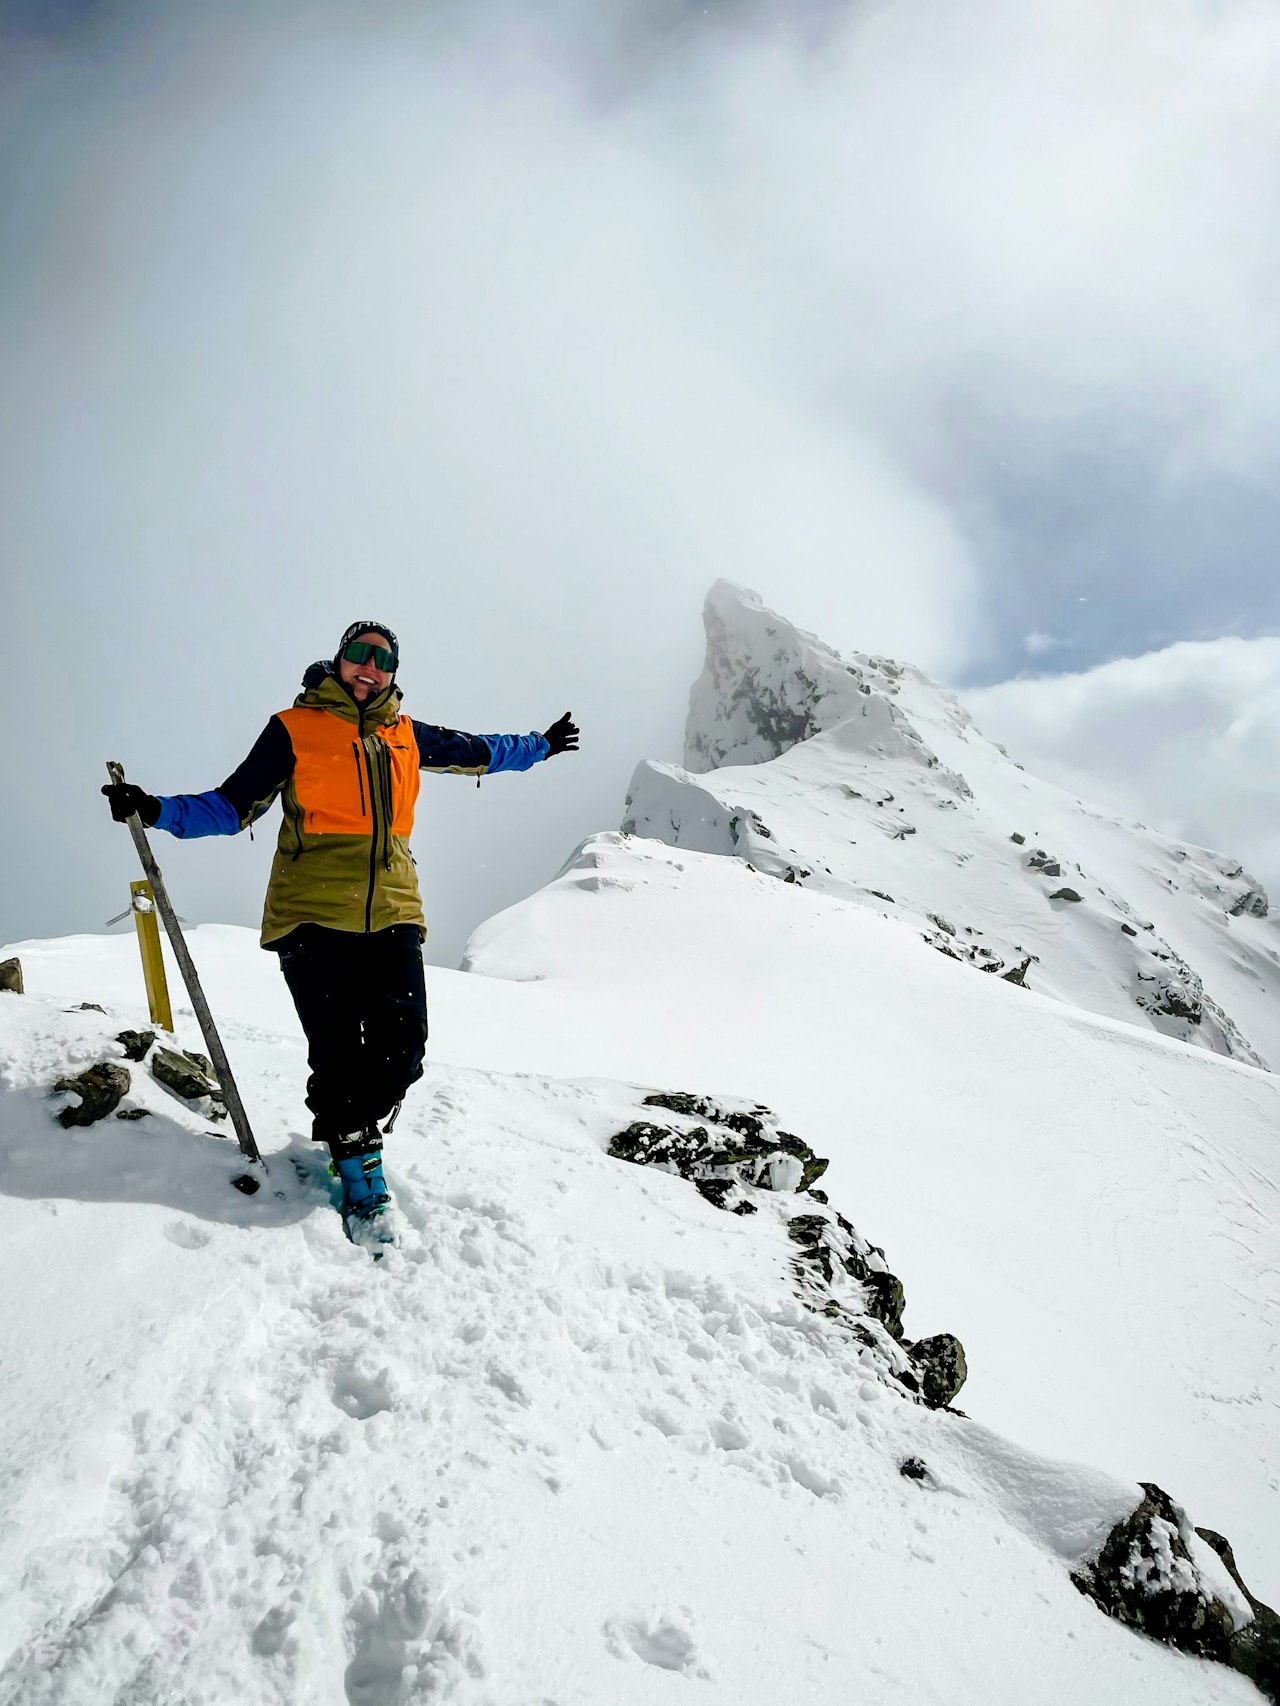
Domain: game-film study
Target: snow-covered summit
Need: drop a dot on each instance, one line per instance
(862, 778)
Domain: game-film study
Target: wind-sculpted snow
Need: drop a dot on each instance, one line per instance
(864, 780)
(579, 1440)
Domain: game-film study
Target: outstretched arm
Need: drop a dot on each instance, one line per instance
(485, 755)
(241, 799)
(475, 755)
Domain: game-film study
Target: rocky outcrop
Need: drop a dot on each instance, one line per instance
(1152, 1574)
(1255, 1649)
(743, 1151)
(940, 1368)
(739, 1161)
(11, 976)
(100, 1090)
(136, 1043)
(1251, 904)
(188, 1075)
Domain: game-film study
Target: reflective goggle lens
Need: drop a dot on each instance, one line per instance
(360, 651)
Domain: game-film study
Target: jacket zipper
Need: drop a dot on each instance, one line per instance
(373, 838)
(385, 754)
(355, 748)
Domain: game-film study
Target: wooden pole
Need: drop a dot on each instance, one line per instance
(187, 966)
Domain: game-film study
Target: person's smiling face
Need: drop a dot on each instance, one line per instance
(365, 680)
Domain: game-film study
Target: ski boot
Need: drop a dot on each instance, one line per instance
(365, 1197)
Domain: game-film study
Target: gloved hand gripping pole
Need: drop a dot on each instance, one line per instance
(213, 1042)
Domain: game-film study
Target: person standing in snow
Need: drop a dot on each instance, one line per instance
(342, 907)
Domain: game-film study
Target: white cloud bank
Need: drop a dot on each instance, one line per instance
(515, 327)
(1187, 739)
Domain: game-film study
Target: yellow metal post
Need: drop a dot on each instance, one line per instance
(144, 916)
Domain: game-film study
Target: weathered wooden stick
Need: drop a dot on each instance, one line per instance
(187, 966)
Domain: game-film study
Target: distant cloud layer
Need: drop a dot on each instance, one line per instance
(942, 327)
(1186, 739)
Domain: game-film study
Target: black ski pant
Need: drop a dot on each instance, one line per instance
(362, 1001)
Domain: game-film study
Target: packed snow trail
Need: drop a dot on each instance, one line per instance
(577, 1441)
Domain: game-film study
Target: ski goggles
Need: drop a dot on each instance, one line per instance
(360, 651)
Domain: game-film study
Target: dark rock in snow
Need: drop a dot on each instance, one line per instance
(733, 1157)
(1020, 839)
(1018, 974)
(88, 1007)
(11, 976)
(1255, 1649)
(941, 1367)
(1146, 1577)
(886, 1300)
(136, 1043)
(914, 1468)
(133, 1113)
(99, 1089)
(1252, 903)
(721, 1193)
(1041, 861)
(1065, 894)
(1128, 929)
(187, 1074)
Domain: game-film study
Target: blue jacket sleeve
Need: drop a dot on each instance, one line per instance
(515, 752)
(189, 816)
(475, 755)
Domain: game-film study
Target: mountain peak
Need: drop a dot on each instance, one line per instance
(860, 777)
(767, 685)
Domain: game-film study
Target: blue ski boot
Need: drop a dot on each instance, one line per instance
(365, 1198)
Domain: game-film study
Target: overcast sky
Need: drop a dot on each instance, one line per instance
(950, 330)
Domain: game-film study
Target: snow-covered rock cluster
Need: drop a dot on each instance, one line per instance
(862, 778)
(738, 1159)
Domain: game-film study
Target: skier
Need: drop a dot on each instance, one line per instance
(342, 907)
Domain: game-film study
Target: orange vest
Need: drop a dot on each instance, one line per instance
(345, 785)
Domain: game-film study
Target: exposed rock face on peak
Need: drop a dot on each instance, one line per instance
(861, 777)
(767, 686)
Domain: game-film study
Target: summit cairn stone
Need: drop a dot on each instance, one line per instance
(186, 1073)
(100, 1090)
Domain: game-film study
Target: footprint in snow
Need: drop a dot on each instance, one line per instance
(186, 1236)
(728, 1435)
(361, 1395)
(394, 1659)
(662, 1644)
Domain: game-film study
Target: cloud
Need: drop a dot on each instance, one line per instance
(521, 325)
(1039, 645)
(1186, 739)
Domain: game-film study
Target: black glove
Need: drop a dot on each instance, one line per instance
(126, 799)
(562, 736)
